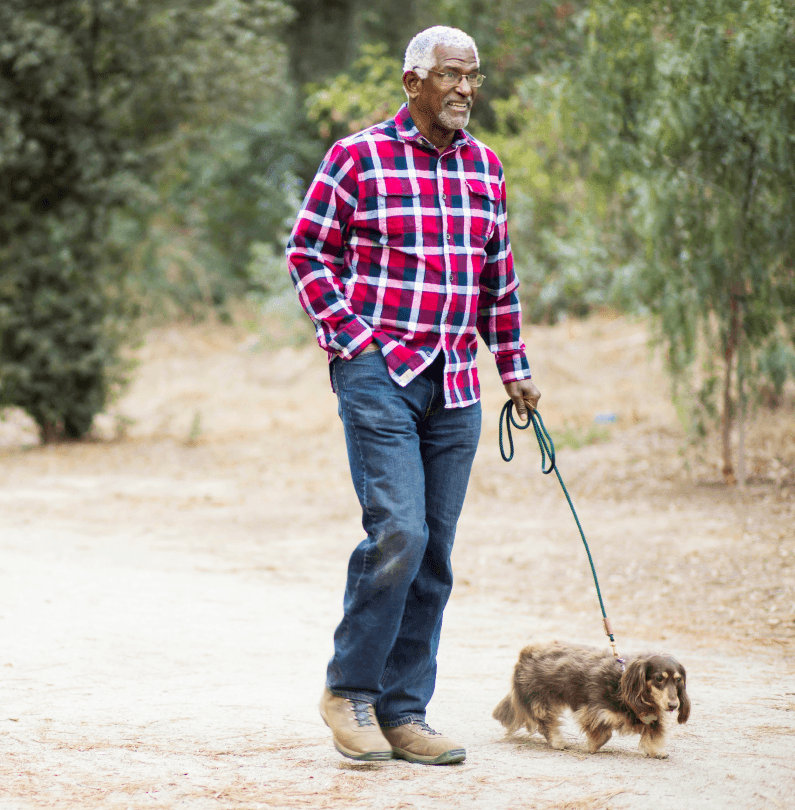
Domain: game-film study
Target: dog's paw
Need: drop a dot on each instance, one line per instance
(653, 747)
(655, 754)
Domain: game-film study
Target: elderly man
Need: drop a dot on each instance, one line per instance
(399, 255)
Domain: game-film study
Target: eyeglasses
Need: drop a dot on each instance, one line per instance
(452, 79)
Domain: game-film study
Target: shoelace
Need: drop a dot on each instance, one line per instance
(361, 712)
(425, 727)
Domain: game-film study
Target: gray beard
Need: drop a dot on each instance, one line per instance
(447, 120)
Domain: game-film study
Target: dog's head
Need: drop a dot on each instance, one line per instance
(656, 683)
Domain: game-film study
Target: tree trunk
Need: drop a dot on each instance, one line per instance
(739, 296)
(49, 432)
(741, 471)
(726, 421)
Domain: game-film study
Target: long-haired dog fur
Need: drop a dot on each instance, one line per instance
(548, 678)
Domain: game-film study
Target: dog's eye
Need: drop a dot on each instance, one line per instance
(659, 678)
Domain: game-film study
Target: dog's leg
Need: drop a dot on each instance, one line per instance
(597, 737)
(598, 725)
(652, 743)
(550, 728)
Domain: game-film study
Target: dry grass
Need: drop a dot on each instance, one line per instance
(595, 801)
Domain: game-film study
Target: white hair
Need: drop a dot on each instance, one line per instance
(419, 53)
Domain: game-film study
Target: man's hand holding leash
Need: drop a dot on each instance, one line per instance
(524, 394)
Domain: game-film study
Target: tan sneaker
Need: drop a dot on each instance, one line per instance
(418, 742)
(354, 727)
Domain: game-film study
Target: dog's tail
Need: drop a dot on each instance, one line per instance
(506, 714)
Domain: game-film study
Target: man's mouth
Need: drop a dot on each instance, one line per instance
(459, 105)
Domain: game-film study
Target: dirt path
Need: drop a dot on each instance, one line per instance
(167, 599)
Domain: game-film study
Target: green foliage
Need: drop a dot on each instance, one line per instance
(92, 93)
(275, 299)
(515, 38)
(539, 182)
(371, 92)
(565, 254)
(325, 37)
(577, 437)
(352, 57)
(60, 332)
(775, 364)
(691, 109)
(237, 186)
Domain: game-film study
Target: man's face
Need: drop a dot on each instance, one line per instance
(444, 106)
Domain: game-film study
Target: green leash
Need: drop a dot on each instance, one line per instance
(548, 450)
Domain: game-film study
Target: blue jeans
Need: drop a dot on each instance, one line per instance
(410, 460)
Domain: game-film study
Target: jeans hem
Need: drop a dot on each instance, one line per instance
(349, 695)
(403, 721)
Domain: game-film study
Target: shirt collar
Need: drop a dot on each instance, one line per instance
(407, 131)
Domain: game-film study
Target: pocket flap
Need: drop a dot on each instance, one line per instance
(483, 189)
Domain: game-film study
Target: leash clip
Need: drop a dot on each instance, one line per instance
(609, 632)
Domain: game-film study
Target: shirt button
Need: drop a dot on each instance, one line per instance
(449, 237)
(444, 196)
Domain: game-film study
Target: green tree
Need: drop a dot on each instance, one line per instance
(93, 96)
(515, 38)
(327, 36)
(690, 107)
(223, 191)
(370, 92)
(565, 241)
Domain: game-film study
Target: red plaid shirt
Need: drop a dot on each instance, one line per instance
(400, 244)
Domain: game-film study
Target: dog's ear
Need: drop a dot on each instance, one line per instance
(633, 684)
(633, 688)
(684, 700)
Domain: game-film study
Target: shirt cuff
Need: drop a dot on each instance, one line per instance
(350, 340)
(513, 367)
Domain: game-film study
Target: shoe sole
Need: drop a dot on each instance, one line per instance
(369, 756)
(447, 758)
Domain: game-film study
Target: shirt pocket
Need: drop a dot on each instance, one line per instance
(398, 205)
(483, 198)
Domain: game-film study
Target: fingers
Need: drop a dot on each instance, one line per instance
(532, 395)
(523, 403)
(524, 395)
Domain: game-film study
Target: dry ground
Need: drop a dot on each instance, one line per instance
(168, 593)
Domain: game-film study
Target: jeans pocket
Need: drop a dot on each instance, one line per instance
(365, 369)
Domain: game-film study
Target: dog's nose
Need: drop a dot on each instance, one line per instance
(673, 706)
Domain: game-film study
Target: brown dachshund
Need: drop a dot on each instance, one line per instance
(549, 678)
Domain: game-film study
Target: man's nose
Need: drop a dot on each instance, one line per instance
(463, 86)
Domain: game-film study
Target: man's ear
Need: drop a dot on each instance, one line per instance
(412, 83)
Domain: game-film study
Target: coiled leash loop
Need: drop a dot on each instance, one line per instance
(547, 448)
